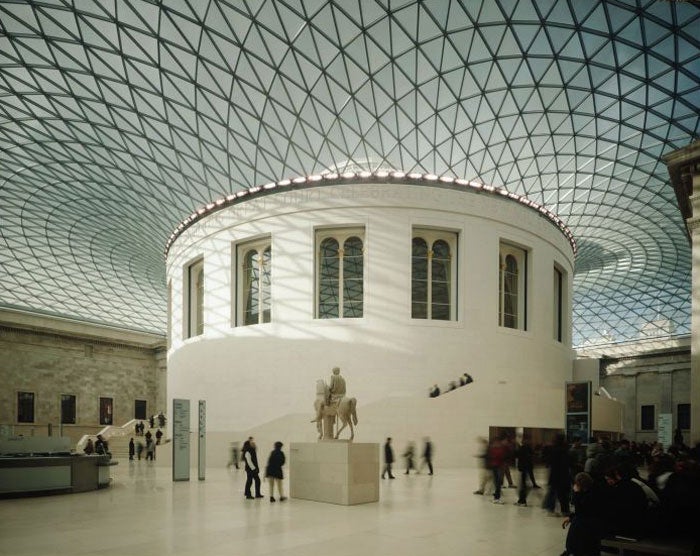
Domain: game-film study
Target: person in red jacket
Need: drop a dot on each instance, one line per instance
(496, 459)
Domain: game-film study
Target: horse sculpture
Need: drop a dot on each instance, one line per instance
(345, 411)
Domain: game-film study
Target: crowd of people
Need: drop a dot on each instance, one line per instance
(409, 456)
(606, 489)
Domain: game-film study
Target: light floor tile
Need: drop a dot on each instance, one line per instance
(144, 513)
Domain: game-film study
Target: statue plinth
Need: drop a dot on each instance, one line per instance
(334, 471)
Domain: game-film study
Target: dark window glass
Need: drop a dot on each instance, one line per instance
(419, 279)
(68, 409)
(440, 284)
(139, 409)
(352, 278)
(25, 407)
(328, 283)
(684, 416)
(106, 411)
(648, 418)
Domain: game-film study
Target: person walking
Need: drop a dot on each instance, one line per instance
(409, 455)
(524, 456)
(388, 459)
(496, 460)
(250, 456)
(427, 456)
(274, 473)
(132, 448)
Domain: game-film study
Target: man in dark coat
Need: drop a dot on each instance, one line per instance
(252, 469)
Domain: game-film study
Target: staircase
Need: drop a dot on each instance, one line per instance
(118, 439)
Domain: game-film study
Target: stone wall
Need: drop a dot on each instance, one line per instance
(661, 379)
(50, 364)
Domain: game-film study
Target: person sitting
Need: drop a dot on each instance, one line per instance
(101, 446)
(626, 505)
(89, 447)
(435, 391)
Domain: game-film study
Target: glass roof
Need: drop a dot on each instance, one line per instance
(119, 118)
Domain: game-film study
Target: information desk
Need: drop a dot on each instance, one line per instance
(32, 475)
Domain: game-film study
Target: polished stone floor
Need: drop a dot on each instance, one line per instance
(144, 513)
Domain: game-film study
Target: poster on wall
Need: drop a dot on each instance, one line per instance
(181, 440)
(665, 428)
(578, 411)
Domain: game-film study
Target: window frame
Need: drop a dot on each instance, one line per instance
(642, 419)
(19, 414)
(558, 299)
(242, 249)
(686, 415)
(521, 255)
(62, 417)
(431, 236)
(194, 298)
(341, 235)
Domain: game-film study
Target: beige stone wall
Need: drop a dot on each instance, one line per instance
(50, 365)
(659, 379)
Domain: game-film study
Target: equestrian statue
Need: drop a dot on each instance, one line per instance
(332, 405)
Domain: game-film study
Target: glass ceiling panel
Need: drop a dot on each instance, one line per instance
(118, 120)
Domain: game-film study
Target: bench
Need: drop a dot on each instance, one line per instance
(663, 547)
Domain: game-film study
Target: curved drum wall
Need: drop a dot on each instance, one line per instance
(253, 374)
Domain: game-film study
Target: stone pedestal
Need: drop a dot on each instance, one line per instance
(334, 471)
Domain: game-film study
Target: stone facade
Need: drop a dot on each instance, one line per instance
(660, 378)
(49, 360)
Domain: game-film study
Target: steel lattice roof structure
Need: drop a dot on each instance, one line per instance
(120, 118)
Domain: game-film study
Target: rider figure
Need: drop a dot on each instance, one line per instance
(336, 392)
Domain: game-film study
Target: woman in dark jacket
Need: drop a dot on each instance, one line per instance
(585, 524)
(273, 471)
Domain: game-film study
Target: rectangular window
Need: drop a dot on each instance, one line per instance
(647, 422)
(194, 299)
(139, 409)
(106, 411)
(340, 256)
(254, 282)
(683, 417)
(433, 274)
(512, 287)
(558, 305)
(68, 409)
(25, 407)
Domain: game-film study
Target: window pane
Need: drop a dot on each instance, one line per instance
(510, 293)
(68, 409)
(352, 278)
(265, 284)
(648, 418)
(329, 276)
(419, 279)
(440, 270)
(251, 288)
(106, 411)
(25, 407)
(200, 301)
(684, 416)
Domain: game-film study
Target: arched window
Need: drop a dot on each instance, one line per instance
(511, 286)
(254, 282)
(194, 299)
(340, 273)
(433, 275)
